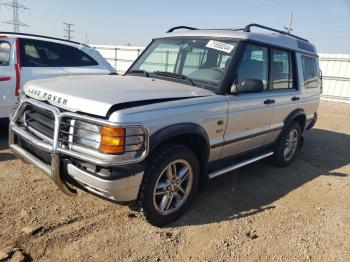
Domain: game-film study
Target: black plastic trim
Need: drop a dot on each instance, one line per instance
(177, 130)
(117, 172)
(313, 122)
(225, 87)
(293, 115)
(245, 137)
(132, 104)
(247, 29)
(181, 27)
(218, 164)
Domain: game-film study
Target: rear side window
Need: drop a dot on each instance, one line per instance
(5, 49)
(282, 70)
(35, 53)
(310, 71)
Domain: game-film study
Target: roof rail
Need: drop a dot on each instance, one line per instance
(42, 36)
(247, 29)
(181, 27)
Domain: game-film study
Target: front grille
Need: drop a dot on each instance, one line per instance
(42, 124)
(41, 121)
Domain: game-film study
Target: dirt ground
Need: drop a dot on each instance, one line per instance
(259, 213)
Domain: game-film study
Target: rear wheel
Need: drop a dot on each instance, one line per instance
(170, 184)
(287, 145)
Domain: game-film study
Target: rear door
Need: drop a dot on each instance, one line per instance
(8, 98)
(283, 89)
(39, 59)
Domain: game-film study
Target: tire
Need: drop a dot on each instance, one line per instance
(160, 198)
(284, 151)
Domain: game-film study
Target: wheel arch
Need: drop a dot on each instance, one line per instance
(190, 134)
(296, 115)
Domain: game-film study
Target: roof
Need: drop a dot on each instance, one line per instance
(278, 39)
(42, 37)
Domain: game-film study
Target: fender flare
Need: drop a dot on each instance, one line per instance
(294, 114)
(175, 130)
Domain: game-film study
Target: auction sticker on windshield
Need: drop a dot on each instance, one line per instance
(220, 46)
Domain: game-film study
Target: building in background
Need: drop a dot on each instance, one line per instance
(336, 76)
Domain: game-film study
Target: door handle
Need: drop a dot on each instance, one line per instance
(5, 78)
(295, 98)
(269, 101)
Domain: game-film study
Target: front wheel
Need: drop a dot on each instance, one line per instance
(287, 145)
(170, 184)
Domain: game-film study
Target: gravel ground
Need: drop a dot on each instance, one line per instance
(260, 212)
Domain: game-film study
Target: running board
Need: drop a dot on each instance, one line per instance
(239, 165)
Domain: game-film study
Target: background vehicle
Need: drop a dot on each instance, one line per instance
(195, 105)
(25, 57)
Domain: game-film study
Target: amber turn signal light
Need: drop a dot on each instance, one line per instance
(112, 140)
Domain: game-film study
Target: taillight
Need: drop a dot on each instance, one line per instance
(18, 68)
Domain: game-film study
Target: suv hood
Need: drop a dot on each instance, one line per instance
(97, 94)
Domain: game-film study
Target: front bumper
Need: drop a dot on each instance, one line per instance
(62, 168)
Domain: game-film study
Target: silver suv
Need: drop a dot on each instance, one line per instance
(195, 105)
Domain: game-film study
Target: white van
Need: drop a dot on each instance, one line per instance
(25, 57)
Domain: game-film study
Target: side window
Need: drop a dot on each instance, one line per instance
(254, 65)
(282, 70)
(5, 49)
(37, 53)
(309, 71)
(72, 56)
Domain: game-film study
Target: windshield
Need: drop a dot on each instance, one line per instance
(199, 62)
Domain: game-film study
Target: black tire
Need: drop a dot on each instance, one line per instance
(279, 158)
(161, 159)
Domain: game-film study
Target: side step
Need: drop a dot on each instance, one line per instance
(235, 166)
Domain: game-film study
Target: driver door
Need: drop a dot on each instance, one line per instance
(249, 114)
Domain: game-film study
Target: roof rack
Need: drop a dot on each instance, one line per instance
(181, 27)
(42, 36)
(247, 29)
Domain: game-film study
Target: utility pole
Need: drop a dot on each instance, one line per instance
(16, 7)
(68, 29)
(289, 28)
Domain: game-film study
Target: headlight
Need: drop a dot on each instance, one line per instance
(106, 139)
(87, 134)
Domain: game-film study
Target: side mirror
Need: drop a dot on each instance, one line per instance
(248, 86)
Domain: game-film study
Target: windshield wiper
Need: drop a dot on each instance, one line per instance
(139, 72)
(174, 75)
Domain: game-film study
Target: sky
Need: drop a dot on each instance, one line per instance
(326, 23)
